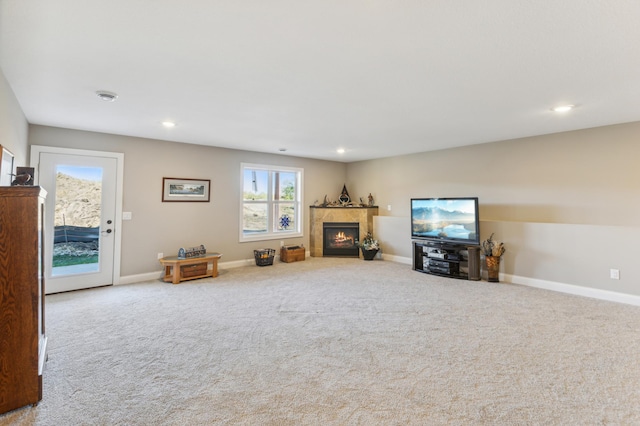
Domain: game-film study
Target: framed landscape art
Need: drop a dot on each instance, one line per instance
(186, 190)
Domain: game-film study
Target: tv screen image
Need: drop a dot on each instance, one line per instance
(446, 219)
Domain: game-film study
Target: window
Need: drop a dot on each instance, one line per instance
(271, 202)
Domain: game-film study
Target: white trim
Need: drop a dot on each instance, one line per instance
(577, 290)
(158, 275)
(300, 197)
(119, 156)
(397, 259)
(241, 263)
(138, 278)
(594, 293)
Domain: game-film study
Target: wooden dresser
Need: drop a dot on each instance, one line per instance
(22, 338)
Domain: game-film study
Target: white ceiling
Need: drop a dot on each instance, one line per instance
(375, 77)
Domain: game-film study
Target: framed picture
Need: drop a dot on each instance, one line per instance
(6, 166)
(24, 176)
(179, 189)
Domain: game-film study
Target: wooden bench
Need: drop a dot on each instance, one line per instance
(177, 270)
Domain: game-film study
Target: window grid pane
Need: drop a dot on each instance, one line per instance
(271, 204)
(255, 185)
(285, 217)
(255, 217)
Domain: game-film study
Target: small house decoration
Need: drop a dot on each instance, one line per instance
(189, 252)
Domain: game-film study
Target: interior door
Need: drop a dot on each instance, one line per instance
(80, 218)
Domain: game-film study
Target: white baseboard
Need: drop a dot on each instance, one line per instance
(131, 279)
(398, 259)
(577, 290)
(237, 263)
(150, 276)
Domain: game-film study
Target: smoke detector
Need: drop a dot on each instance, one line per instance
(107, 96)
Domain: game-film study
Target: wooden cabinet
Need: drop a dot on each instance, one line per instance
(22, 337)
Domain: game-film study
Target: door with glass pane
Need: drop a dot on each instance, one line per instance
(79, 220)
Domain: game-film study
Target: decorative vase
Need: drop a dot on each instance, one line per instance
(368, 254)
(493, 268)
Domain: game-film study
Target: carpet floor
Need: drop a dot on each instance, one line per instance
(336, 342)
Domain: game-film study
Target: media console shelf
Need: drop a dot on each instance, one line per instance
(443, 259)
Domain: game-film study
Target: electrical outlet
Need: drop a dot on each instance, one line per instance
(614, 274)
(281, 243)
(388, 207)
(160, 255)
(126, 216)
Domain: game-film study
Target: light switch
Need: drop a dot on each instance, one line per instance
(126, 215)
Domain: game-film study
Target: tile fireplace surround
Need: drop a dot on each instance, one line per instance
(319, 215)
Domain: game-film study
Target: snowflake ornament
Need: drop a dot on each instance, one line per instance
(285, 221)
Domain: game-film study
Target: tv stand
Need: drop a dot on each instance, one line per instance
(441, 258)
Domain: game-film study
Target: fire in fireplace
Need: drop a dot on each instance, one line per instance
(340, 239)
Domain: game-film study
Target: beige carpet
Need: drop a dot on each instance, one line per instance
(336, 341)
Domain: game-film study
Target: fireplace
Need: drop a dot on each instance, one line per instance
(340, 239)
(318, 216)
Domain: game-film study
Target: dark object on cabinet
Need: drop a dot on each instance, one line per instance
(22, 339)
(23, 176)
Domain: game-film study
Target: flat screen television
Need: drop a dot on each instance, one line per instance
(453, 220)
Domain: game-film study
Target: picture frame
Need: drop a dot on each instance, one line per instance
(6, 166)
(186, 190)
(24, 176)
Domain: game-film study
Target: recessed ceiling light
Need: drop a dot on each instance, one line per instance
(563, 108)
(107, 96)
(168, 124)
(340, 150)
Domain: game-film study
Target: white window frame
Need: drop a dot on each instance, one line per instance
(271, 233)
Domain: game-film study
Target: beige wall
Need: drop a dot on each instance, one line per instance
(586, 176)
(159, 227)
(13, 124)
(565, 204)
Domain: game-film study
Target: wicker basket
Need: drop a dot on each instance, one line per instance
(264, 257)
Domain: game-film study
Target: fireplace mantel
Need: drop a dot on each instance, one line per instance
(319, 215)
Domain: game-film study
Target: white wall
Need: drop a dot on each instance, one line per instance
(565, 204)
(13, 124)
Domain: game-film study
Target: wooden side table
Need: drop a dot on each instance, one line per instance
(177, 270)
